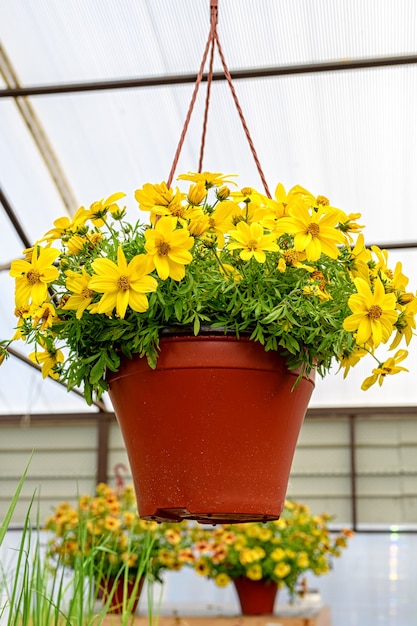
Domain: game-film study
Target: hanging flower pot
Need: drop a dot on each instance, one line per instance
(211, 432)
(256, 597)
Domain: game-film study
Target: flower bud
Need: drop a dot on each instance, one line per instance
(197, 193)
(223, 193)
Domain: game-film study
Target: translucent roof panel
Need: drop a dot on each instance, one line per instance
(350, 135)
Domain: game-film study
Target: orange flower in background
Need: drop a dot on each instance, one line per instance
(105, 526)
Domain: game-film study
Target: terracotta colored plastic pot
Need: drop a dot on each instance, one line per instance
(211, 432)
(256, 597)
(113, 592)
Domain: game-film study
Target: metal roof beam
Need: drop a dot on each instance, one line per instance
(181, 79)
(38, 134)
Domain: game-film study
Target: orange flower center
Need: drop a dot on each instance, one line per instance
(291, 256)
(33, 277)
(252, 244)
(122, 283)
(375, 312)
(322, 200)
(163, 248)
(86, 293)
(313, 229)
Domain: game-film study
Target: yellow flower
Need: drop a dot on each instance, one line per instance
(129, 558)
(253, 242)
(254, 572)
(278, 554)
(405, 324)
(64, 225)
(217, 223)
(352, 359)
(374, 313)
(45, 314)
(210, 179)
(197, 193)
(389, 367)
(100, 208)
(222, 580)
(159, 201)
(360, 256)
(82, 294)
(265, 534)
(173, 536)
(303, 560)
(33, 278)
(111, 523)
(201, 567)
(168, 248)
(123, 284)
(48, 360)
(314, 231)
(281, 570)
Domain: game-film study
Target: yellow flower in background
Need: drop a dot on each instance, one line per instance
(168, 248)
(281, 570)
(278, 554)
(388, 368)
(33, 278)
(201, 567)
(111, 523)
(123, 284)
(106, 528)
(374, 313)
(222, 580)
(303, 560)
(254, 572)
(280, 551)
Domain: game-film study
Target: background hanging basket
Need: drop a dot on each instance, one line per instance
(211, 432)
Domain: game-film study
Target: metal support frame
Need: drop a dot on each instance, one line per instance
(39, 136)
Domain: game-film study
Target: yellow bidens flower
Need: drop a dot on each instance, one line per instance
(209, 179)
(314, 231)
(33, 278)
(82, 296)
(123, 284)
(374, 313)
(252, 241)
(168, 248)
(48, 359)
(388, 368)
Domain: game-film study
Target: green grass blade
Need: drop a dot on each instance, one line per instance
(9, 514)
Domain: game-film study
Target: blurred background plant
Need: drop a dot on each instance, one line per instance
(116, 535)
(281, 551)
